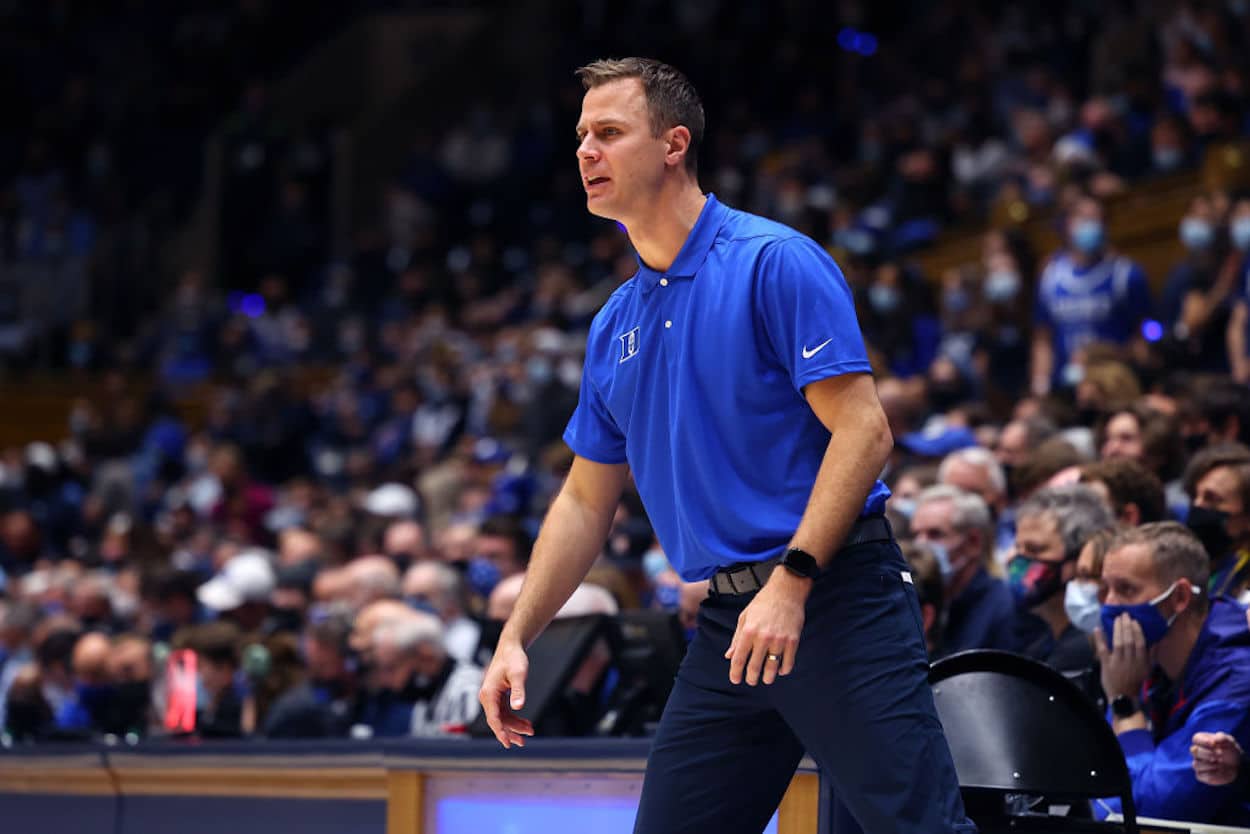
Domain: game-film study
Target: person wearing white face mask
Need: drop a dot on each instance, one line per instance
(1081, 596)
(1085, 295)
(957, 527)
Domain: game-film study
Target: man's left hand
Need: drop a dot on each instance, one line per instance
(768, 630)
(1126, 664)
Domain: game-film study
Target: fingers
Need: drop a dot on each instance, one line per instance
(737, 655)
(755, 664)
(1100, 646)
(787, 659)
(516, 682)
(500, 689)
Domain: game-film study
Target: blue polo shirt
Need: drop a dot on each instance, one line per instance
(694, 377)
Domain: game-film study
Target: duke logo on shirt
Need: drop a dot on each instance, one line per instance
(629, 344)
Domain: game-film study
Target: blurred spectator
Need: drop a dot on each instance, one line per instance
(17, 625)
(1082, 596)
(1085, 295)
(1132, 492)
(978, 609)
(405, 543)
(326, 704)
(502, 550)
(87, 709)
(369, 579)
(1197, 298)
(1154, 576)
(1218, 482)
(439, 588)
(978, 471)
(423, 691)
(224, 704)
(242, 590)
(1051, 528)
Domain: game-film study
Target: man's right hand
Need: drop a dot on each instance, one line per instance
(503, 690)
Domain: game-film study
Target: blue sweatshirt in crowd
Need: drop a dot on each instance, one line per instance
(1212, 696)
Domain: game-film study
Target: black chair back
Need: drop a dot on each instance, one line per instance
(1015, 725)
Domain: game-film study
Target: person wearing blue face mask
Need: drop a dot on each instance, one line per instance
(956, 525)
(1196, 301)
(1174, 663)
(1085, 295)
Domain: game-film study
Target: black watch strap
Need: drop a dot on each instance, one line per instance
(800, 562)
(1124, 706)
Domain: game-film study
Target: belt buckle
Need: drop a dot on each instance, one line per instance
(729, 575)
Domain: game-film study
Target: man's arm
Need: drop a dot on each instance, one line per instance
(572, 535)
(859, 444)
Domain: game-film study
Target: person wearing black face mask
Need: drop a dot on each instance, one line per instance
(1051, 528)
(1218, 482)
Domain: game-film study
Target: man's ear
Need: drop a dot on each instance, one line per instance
(1182, 598)
(678, 141)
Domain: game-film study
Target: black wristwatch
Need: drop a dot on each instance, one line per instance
(800, 562)
(1124, 706)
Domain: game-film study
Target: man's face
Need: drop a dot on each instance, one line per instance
(391, 669)
(324, 662)
(501, 551)
(932, 524)
(1123, 438)
(1220, 490)
(1128, 576)
(620, 161)
(1037, 536)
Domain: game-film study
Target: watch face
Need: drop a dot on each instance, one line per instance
(801, 563)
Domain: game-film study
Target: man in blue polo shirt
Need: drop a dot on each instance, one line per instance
(1084, 295)
(730, 376)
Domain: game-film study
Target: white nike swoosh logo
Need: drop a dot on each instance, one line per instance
(808, 354)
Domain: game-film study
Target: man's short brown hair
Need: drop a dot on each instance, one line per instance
(1232, 456)
(1128, 482)
(1176, 553)
(671, 99)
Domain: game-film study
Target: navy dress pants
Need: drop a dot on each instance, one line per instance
(858, 701)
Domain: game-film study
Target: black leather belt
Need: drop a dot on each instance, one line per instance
(746, 577)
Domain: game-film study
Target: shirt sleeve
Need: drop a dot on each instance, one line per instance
(807, 314)
(592, 432)
(1164, 785)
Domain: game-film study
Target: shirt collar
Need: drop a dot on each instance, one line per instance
(693, 252)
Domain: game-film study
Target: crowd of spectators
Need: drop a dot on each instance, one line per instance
(329, 547)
